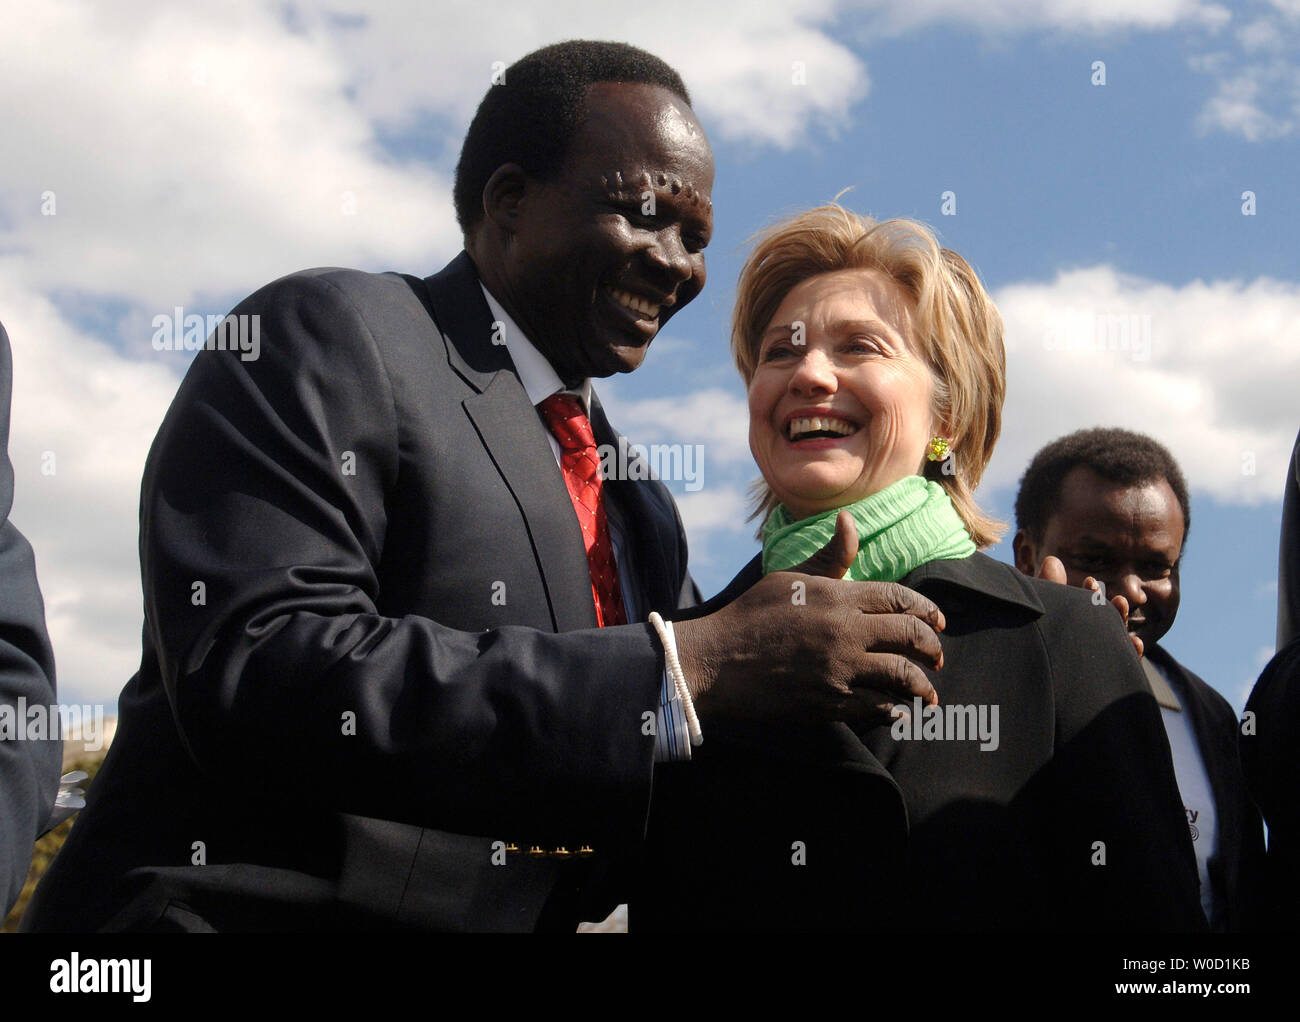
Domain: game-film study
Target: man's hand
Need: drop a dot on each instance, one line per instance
(813, 646)
(1054, 571)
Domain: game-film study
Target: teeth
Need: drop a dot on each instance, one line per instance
(635, 303)
(820, 423)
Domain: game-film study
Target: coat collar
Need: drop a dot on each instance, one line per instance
(462, 315)
(980, 574)
(977, 573)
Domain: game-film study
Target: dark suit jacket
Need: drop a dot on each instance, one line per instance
(776, 828)
(29, 770)
(370, 646)
(1288, 568)
(1236, 871)
(1270, 757)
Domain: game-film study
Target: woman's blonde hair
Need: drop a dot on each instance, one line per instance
(958, 330)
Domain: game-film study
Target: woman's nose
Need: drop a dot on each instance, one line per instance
(813, 373)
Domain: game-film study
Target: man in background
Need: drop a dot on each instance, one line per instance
(1112, 506)
(1270, 754)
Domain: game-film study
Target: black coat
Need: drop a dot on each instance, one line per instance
(1288, 557)
(394, 662)
(1237, 869)
(939, 835)
(1270, 757)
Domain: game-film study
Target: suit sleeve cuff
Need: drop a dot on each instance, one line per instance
(672, 735)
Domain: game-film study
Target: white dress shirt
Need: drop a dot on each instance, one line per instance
(1193, 779)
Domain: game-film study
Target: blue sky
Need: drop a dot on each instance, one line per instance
(194, 154)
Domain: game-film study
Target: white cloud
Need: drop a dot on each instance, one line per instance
(1257, 102)
(194, 148)
(716, 418)
(1257, 86)
(714, 509)
(1022, 15)
(736, 57)
(1216, 385)
(94, 413)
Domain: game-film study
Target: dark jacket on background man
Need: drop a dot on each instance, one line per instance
(1270, 752)
(29, 768)
(775, 829)
(1288, 570)
(1237, 870)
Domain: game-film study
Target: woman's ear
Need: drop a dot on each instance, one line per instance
(933, 468)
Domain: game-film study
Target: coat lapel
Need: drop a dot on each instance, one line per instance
(515, 439)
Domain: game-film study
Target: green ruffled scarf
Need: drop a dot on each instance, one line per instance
(900, 528)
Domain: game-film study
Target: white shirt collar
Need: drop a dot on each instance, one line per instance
(538, 376)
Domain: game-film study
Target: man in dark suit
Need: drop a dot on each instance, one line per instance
(397, 671)
(29, 763)
(1288, 559)
(1270, 755)
(1111, 507)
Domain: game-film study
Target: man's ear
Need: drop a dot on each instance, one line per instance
(1026, 556)
(503, 196)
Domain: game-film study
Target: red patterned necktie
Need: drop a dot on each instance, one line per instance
(571, 427)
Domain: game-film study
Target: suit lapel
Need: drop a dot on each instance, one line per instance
(515, 440)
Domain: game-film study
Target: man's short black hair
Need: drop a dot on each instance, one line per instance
(1120, 455)
(531, 118)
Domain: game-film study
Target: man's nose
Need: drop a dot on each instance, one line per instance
(1130, 587)
(669, 254)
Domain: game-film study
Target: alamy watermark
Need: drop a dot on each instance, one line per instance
(20, 722)
(955, 722)
(667, 462)
(77, 975)
(181, 332)
(1088, 330)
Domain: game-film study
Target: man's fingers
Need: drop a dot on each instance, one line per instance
(1121, 605)
(836, 557)
(892, 678)
(892, 598)
(903, 635)
(1052, 570)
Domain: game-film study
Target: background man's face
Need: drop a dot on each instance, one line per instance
(1127, 537)
(609, 251)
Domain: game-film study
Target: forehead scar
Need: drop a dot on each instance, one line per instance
(619, 187)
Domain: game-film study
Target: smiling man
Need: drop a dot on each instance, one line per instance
(1112, 507)
(400, 669)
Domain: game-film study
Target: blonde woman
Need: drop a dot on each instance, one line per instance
(1038, 794)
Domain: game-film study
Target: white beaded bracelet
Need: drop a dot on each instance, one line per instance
(665, 630)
